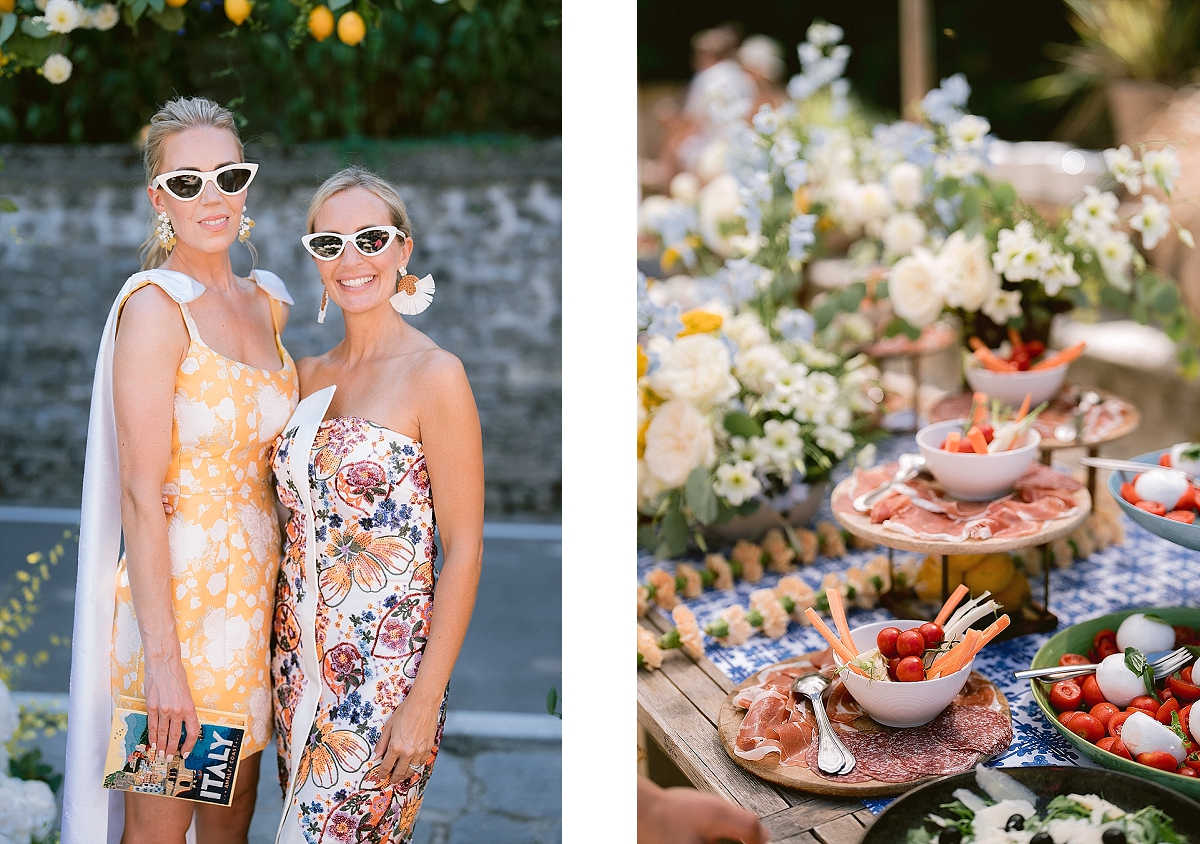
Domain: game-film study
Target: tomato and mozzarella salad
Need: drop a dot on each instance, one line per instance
(1170, 490)
(1122, 710)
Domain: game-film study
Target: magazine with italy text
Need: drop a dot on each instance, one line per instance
(206, 775)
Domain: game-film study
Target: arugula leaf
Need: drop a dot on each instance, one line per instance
(1157, 618)
(1178, 727)
(1063, 806)
(1192, 452)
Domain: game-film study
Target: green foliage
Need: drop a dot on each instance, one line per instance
(423, 69)
(29, 766)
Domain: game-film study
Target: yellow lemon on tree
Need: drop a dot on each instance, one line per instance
(7, 6)
(176, 3)
(351, 29)
(237, 10)
(320, 23)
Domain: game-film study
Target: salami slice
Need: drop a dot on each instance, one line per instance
(977, 692)
(974, 728)
(875, 756)
(857, 775)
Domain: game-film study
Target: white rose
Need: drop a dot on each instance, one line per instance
(968, 280)
(10, 714)
(649, 488)
(905, 182)
(746, 330)
(685, 187)
(901, 233)
(711, 162)
(874, 204)
(695, 369)
(678, 439)
(56, 69)
(719, 201)
(913, 288)
(755, 365)
(105, 16)
(652, 213)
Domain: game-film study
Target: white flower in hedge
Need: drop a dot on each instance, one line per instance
(718, 204)
(814, 357)
(1020, 255)
(62, 16)
(56, 68)
(650, 489)
(823, 387)
(1162, 165)
(901, 233)
(746, 329)
(678, 439)
(874, 204)
(795, 324)
(695, 369)
(1124, 167)
(781, 439)
(957, 165)
(906, 183)
(968, 279)
(685, 187)
(736, 483)
(1115, 254)
(1096, 212)
(1003, 306)
(821, 34)
(105, 16)
(913, 288)
(751, 450)
(27, 809)
(753, 366)
(1060, 274)
(1152, 221)
(10, 719)
(969, 132)
(834, 440)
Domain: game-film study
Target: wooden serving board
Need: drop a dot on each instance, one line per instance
(729, 721)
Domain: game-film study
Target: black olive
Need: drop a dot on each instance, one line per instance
(1018, 822)
(1041, 838)
(1113, 836)
(950, 835)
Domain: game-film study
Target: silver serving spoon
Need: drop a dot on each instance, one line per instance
(1072, 429)
(910, 466)
(833, 757)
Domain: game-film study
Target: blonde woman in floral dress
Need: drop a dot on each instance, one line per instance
(386, 436)
(192, 387)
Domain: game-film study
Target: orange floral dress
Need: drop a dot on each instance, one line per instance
(223, 535)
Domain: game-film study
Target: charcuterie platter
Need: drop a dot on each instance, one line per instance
(976, 725)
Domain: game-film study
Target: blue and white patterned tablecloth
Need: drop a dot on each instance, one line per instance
(1143, 571)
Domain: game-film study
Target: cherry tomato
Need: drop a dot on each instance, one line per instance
(1185, 516)
(1106, 648)
(1183, 719)
(1183, 690)
(1066, 694)
(1164, 459)
(1164, 711)
(1187, 501)
(1129, 493)
(1035, 348)
(1185, 771)
(1086, 726)
(1021, 358)
(910, 669)
(1184, 636)
(1065, 718)
(1091, 691)
(910, 643)
(1116, 722)
(932, 633)
(1158, 759)
(892, 663)
(1103, 712)
(1156, 509)
(1114, 745)
(989, 433)
(1072, 659)
(886, 640)
(1186, 674)
(1166, 694)
(1194, 764)
(1106, 633)
(1146, 704)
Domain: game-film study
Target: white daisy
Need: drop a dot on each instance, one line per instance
(736, 483)
(1151, 221)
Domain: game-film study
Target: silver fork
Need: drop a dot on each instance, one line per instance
(1163, 666)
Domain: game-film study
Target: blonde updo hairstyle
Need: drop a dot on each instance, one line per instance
(358, 177)
(174, 117)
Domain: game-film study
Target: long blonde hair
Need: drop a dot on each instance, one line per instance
(175, 117)
(357, 177)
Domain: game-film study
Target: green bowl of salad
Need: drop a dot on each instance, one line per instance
(1078, 639)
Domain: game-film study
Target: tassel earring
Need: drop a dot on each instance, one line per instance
(413, 294)
(165, 232)
(324, 306)
(244, 227)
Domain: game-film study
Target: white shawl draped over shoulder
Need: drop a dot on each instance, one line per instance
(91, 813)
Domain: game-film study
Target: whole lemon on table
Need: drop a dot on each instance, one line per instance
(992, 574)
(237, 10)
(351, 28)
(1015, 595)
(320, 23)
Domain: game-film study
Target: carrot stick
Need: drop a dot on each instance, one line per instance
(956, 657)
(989, 358)
(980, 402)
(1014, 337)
(960, 592)
(991, 632)
(952, 440)
(1065, 356)
(838, 610)
(975, 437)
(838, 647)
(1024, 407)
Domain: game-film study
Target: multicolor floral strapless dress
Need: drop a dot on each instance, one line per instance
(351, 621)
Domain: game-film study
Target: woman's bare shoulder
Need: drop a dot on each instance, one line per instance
(150, 310)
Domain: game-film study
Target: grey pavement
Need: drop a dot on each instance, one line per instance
(498, 775)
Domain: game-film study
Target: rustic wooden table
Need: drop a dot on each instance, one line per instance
(678, 707)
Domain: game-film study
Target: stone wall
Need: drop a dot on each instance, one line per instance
(487, 222)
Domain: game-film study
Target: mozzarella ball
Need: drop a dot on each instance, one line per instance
(1143, 734)
(1145, 634)
(1192, 467)
(1117, 682)
(1162, 485)
(1193, 723)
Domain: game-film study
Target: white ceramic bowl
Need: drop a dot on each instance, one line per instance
(1011, 387)
(974, 477)
(901, 704)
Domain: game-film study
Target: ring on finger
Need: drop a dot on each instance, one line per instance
(416, 767)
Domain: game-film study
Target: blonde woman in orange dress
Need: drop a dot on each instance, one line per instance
(386, 437)
(192, 387)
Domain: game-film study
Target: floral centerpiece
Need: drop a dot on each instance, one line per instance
(735, 413)
(27, 806)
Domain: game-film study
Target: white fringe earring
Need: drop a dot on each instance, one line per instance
(165, 232)
(413, 294)
(324, 305)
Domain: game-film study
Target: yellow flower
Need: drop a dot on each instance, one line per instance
(643, 362)
(669, 258)
(801, 200)
(826, 223)
(699, 322)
